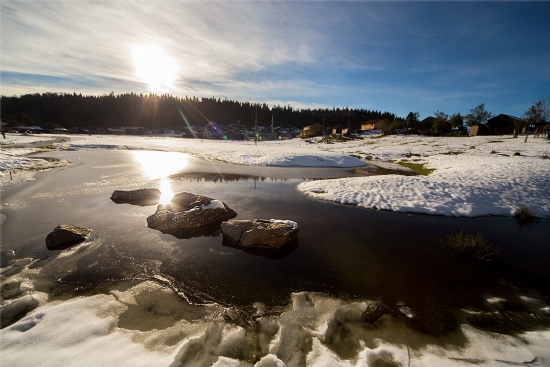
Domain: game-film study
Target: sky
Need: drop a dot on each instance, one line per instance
(386, 56)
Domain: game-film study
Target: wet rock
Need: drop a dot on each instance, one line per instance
(374, 311)
(16, 309)
(66, 235)
(138, 197)
(5, 256)
(188, 211)
(260, 232)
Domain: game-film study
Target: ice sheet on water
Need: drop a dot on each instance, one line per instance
(87, 331)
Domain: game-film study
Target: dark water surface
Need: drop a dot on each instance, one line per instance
(343, 251)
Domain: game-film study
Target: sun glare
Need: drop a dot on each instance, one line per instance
(154, 66)
(166, 192)
(156, 165)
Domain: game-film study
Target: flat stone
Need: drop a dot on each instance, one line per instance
(190, 211)
(263, 233)
(140, 196)
(66, 235)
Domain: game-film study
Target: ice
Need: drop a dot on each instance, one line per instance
(288, 222)
(87, 331)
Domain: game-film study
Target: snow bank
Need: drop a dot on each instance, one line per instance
(285, 153)
(79, 332)
(487, 186)
(94, 331)
(16, 159)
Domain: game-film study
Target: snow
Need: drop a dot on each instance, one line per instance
(287, 222)
(474, 176)
(16, 158)
(87, 331)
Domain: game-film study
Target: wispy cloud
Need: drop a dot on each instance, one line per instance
(378, 55)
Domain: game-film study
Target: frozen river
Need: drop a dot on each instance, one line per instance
(344, 257)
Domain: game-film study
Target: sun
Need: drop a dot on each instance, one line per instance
(154, 66)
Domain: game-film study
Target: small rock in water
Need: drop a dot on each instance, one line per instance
(374, 311)
(190, 211)
(260, 232)
(66, 235)
(139, 197)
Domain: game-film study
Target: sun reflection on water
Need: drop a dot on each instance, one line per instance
(160, 165)
(166, 192)
(156, 165)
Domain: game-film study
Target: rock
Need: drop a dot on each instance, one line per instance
(66, 235)
(5, 256)
(139, 197)
(374, 311)
(189, 211)
(260, 232)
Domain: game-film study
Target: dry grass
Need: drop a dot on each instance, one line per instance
(525, 217)
(472, 245)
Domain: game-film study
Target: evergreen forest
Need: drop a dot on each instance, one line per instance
(165, 111)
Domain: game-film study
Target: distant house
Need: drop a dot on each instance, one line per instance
(498, 125)
(340, 130)
(209, 133)
(369, 125)
(236, 126)
(55, 129)
(37, 129)
(501, 125)
(311, 131)
(426, 125)
(266, 135)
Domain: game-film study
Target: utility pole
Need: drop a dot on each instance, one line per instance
(256, 127)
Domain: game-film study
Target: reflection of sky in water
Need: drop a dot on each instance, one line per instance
(160, 164)
(155, 165)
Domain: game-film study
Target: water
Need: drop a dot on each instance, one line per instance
(343, 252)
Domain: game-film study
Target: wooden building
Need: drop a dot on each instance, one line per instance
(311, 131)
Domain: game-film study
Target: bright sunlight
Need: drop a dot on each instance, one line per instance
(156, 165)
(154, 66)
(166, 192)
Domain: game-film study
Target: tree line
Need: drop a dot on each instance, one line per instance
(153, 111)
(441, 123)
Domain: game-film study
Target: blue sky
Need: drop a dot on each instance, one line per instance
(387, 56)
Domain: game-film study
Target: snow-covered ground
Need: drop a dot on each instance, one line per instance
(485, 175)
(479, 177)
(86, 331)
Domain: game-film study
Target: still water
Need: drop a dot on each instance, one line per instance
(342, 251)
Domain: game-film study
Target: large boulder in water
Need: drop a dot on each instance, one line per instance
(139, 197)
(188, 211)
(66, 235)
(263, 233)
